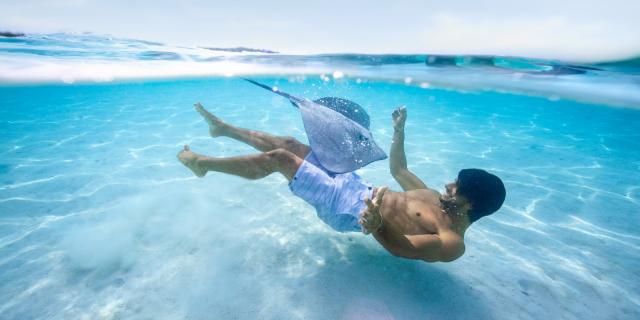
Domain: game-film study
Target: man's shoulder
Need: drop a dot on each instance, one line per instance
(427, 193)
(429, 199)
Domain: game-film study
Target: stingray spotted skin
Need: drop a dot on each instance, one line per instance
(338, 131)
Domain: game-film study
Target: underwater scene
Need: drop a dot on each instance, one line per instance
(99, 219)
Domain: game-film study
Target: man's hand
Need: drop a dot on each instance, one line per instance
(399, 117)
(370, 217)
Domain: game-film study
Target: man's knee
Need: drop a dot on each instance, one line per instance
(293, 145)
(280, 155)
(284, 161)
(289, 142)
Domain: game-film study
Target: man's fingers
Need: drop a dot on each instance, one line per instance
(377, 201)
(380, 195)
(364, 227)
(369, 203)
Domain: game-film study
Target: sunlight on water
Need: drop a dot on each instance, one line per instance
(99, 220)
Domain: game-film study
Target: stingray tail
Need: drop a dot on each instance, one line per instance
(294, 100)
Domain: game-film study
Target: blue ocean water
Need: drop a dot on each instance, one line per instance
(99, 220)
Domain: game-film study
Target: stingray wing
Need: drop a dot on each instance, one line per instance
(347, 108)
(337, 130)
(340, 144)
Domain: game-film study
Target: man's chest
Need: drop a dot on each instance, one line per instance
(416, 216)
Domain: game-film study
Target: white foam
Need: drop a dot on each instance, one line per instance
(30, 70)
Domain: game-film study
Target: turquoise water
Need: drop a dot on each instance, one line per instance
(99, 220)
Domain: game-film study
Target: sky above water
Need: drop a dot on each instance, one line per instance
(571, 30)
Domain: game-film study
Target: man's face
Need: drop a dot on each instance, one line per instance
(452, 201)
(451, 189)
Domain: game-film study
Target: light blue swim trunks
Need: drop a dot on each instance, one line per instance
(337, 198)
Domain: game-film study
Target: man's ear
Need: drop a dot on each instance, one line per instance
(464, 205)
(467, 206)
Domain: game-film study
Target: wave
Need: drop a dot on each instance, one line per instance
(71, 58)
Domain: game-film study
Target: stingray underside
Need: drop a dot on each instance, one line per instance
(340, 144)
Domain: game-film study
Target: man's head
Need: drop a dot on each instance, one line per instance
(483, 192)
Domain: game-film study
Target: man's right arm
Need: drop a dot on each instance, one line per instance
(427, 247)
(397, 159)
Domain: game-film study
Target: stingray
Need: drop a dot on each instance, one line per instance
(338, 131)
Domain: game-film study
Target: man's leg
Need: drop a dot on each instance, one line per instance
(253, 166)
(260, 140)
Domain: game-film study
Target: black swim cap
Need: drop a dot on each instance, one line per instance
(484, 190)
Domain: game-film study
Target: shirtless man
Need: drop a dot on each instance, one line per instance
(419, 223)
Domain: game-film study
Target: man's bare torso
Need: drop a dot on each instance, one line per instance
(418, 212)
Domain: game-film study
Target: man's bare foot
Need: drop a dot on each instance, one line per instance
(216, 126)
(189, 159)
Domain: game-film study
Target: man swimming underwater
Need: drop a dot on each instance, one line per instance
(418, 223)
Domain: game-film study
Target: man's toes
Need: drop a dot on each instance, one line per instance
(200, 109)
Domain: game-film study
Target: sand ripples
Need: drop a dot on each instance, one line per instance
(98, 219)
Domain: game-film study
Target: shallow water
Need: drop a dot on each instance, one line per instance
(99, 220)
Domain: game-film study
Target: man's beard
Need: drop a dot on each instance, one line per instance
(450, 205)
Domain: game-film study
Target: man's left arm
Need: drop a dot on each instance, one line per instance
(397, 158)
